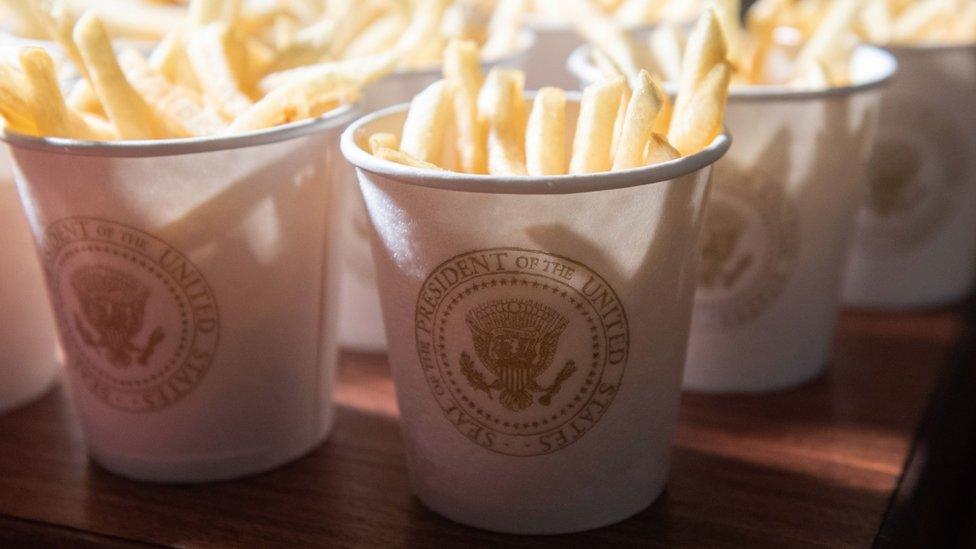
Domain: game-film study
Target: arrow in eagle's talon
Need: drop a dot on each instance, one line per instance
(568, 370)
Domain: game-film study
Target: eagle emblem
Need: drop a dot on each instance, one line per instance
(723, 230)
(516, 341)
(113, 303)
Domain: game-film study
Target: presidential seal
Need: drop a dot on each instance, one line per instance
(523, 350)
(138, 321)
(918, 172)
(749, 248)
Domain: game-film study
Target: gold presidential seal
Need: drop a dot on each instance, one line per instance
(138, 321)
(918, 171)
(749, 247)
(523, 350)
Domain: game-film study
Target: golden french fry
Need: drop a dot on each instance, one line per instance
(608, 69)
(813, 76)
(204, 12)
(728, 17)
(462, 67)
(828, 42)
(924, 19)
(605, 34)
(503, 29)
(379, 37)
(706, 48)
(170, 59)
(697, 126)
(501, 106)
(423, 28)
(618, 123)
(427, 120)
(659, 151)
(354, 21)
(132, 116)
(638, 127)
(133, 20)
(401, 157)
(182, 106)
(594, 127)
(545, 134)
(25, 18)
(303, 98)
(218, 60)
(13, 106)
(631, 12)
(666, 48)
(877, 22)
(383, 140)
(50, 114)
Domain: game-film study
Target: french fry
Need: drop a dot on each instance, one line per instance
(666, 48)
(133, 20)
(618, 123)
(379, 37)
(638, 126)
(304, 97)
(635, 11)
(606, 35)
(423, 28)
(13, 107)
(405, 159)
(427, 119)
(50, 114)
(501, 107)
(383, 140)
(608, 69)
(217, 59)
(706, 48)
(728, 16)
(503, 29)
(170, 59)
(827, 44)
(545, 134)
(695, 127)
(922, 19)
(594, 127)
(357, 18)
(24, 14)
(204, 12)
(461, 66)
(132, 116)
(182, 106)
(659, 151)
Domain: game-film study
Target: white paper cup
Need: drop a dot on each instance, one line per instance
(916, 238)
(28, 345)
(537, 331)
(780, 220)
(361, 327)
(195, 285)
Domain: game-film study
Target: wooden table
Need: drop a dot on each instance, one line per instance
(813, 466)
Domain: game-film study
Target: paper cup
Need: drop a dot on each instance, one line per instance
(194, 283)
(780, 219)
(28, 345)
(537, 331)
(361, 327)
(916, 238)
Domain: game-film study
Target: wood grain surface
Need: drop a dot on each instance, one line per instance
(814, 466)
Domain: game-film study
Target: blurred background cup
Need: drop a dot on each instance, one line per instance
(781, 216)
(916, 238)
(28, 344)
(361, 327)
(195, 286)
(537, 331)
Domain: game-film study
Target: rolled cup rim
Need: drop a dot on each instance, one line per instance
(578, 64)
(525, 185)
(144, 148)
(926, 47)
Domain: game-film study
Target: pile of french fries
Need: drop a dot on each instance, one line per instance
(148, 20)
(622, 123)
(224, 69)
(629, 13)
(760, 52)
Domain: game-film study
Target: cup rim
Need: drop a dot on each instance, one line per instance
(524, 185)
(526, 41)
(926, 47)
(143, 148)
(579, 65)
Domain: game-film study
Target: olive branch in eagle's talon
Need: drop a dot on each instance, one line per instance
(474, 377)
(568, 370)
